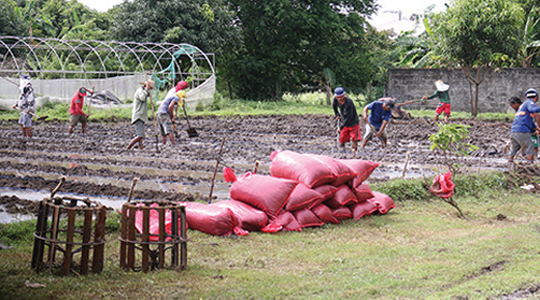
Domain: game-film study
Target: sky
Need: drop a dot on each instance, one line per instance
(388, 16)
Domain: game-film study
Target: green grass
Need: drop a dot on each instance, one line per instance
(419, 250)
(312, 103)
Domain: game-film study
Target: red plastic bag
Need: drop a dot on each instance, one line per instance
(341, 171)
(307, 218)
(363, 192)
(228, 175)
(364, 168)
(384, 202)
(250, 218)
(443, 186)
(301, 197)
(210, 219)
(362, 209)
(343, 197)
(153, 226)
(267, 193)
(324, 213)
(301, 168)
(285, 221)
(327, 191)
(342, 213)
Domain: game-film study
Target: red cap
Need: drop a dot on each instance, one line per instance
(181, 85)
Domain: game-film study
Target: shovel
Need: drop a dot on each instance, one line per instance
(374, 132)
(190, 131)
(33, 114)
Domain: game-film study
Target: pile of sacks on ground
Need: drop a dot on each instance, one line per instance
(303, 190)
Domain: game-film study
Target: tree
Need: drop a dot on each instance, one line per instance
(207, 26)
(477, 35)
(10, 23)
(289, 44)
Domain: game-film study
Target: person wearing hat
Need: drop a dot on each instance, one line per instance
(345, 111)
(76, 114)
(139, 114)
(381, 111)
(522, 127)
(167, 112)
(26, 105)
(444, 100)
(515, 103)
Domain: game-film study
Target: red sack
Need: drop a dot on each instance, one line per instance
(327, 191)
(384, 202)
(285, 221)
(342, 213)
(307, 218)
(363, 192)
(210, 219)
(443, 186)
(301, 168)
(364, 168)
(343, 197)
(341, 171)
(266, 193)
(302, 197)
(153, 226)
(324, 213)
(250, 218)
(362, 209)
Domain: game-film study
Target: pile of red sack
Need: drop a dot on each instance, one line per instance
(303, 190)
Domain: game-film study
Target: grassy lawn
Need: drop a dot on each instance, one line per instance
(419, 250)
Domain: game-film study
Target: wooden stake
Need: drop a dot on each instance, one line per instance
(215, 171)
(405, 166)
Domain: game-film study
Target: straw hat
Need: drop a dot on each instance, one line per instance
(441, 86)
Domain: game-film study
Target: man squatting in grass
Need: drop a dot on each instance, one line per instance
(76, 114)
(139, 114)
(26, 105)
(167, 112)
(444, 100)
(381, 111)
(523, 125)
(345, 111)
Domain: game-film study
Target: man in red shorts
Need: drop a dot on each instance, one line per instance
(345, 111)
(444, 100)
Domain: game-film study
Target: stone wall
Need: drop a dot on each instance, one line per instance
(411, 84)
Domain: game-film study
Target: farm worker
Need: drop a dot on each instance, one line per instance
(444, 100)
(523, 125)
(515, 103)
(167, 112)
(345, 111)
(76, 114)
(139, 114)
(381, 111)
(26, 105)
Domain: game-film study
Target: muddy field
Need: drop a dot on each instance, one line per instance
(96, 163)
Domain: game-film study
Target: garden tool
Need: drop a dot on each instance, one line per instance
(190, 131)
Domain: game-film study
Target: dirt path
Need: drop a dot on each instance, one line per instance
(96, 164)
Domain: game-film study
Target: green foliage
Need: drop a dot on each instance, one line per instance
(450, 138)
(288, 44)
(17, 232)
(10, 19)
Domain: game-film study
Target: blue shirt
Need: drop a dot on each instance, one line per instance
(164, 107)
(378, 114)
(524, 120)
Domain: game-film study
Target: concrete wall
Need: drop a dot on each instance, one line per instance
(411, 84)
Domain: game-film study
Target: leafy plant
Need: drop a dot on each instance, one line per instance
(450, 141)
